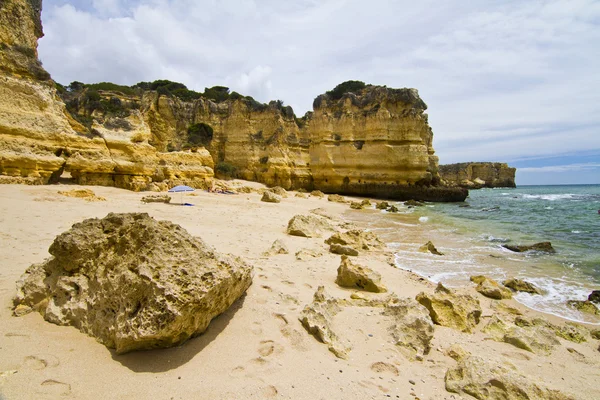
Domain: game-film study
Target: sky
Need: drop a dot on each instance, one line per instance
(506, 81)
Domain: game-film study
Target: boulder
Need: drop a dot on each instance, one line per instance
(545, 247)
(594, 296)
(414, 203)
(352, 275)
(412, 329)
(355, 205)
(382, 205)
(537, 339)
(133, 282)
(358, 239)
(309, 226)
(447, 308)
(316, 318)
(343, 250)
(392, 209)
(278, 247)
(519, 285)
(430, 248)
(302, 195)
(366, 203)
(317, 193)
(278, 190)
(157, 198)
(336, 198)
(495, 379)
(595, 334)
(584, 306)
(490, 288)
(270, 197)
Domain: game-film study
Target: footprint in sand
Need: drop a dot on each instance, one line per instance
(37, 363)
(383, 367)
(270, 391)
(295, 337)
(53, 387)
(256, 328)
(237, 371)
(268, 347)
(266, 288)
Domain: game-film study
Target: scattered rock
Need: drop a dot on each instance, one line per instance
(308, 226)
(343, 250)
(366, 203)
(545, 247)
(157, 198)
(302, 195)
(308, 254)
(504, 308)
(413, 328)
(584, 306)
(352, 275)
(317, 193)
(114, 279)
(519, 285)
(594, 296)
(86, 194)
(430, 248)
(484, 380)
(278, 247)
(446, 308)
(457, 352)
(595, 334)
(355, 205)
(414, 203)
(336, 198)
(278, 190)
(316, 318)
(382, 205)
(490, 288)
(534, 338)
(358, 239)
(392, 209)
(270, 197)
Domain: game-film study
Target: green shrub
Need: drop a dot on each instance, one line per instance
(226, 169)
(216, 93)
(200, 134)
(349, 86)
(112, 87)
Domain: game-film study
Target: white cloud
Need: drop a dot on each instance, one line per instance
(503, 80)
(562, 168)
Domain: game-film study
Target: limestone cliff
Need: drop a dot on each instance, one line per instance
(475, 175)
(39, 140)
(375, 141)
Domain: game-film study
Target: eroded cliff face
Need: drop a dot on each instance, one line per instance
(375, 142)
(475, 175)
(39, 139)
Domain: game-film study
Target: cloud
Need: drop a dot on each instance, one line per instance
(503, 80)
(562, 168)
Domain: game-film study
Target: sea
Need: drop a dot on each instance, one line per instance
(471, 235)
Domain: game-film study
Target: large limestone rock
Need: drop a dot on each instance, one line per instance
(308, 226)
(476, 175)
(491, 380)
(447, 308)
(519, 285)
(535, 338)
(270, 197)
(375, 142)
(357, 239)
(490, 288)
(352, 275)
(545, 247)
(133, 282)
(412, 329)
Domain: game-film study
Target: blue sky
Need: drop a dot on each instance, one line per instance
(510, 81)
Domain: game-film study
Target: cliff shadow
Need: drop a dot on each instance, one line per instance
(162, 360)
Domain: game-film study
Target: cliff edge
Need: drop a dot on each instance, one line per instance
(476, 175)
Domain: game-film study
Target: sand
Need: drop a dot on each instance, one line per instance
(258, 348)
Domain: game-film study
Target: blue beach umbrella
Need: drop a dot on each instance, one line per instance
(181, 189)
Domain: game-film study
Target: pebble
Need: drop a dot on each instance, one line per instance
(411, 381)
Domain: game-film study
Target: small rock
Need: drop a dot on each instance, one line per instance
(352, 275)
(156, 198)
(355, 205)
(430, 248)
(278, 190)
(317, 193)
(302, 195)
(519, 285)
(594, 296)
(383, 205)
(278, 247)
(343, 250)
(595, 334)
(270, 197)
(392, 209)
(336, 198)
(490, 288)
(414, 203)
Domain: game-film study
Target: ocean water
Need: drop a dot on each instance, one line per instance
(471, 239)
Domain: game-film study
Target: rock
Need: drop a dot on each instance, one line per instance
(358, 239)
(278, 190)
(595, 334)
(534, 338)
(308, 254)
(133, 282)
(316, 318)
(336, 198)
(414, 203)
(479, 174)
(382, 205)
(270, 197)
(594, 296)
(355, 205)
(352, 275)
(519, 285)
(456, 352)
(412, 329)
(278, 247)
(157, 198)
(569, 331)
(392, 209)
(366, 203)
(584, 306)
(446, 308)
(21, 310)
(343, 250)
(308, 226)
(86, 194)
(474, 376)
(302, 195)
(317, 193)
(490, 288)
(545, 247)
(430, 248)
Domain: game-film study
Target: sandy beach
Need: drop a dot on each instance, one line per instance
(258, 348)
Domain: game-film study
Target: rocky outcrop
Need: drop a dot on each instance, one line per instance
(544, 247)
(476, 175)
(448, 308)
(412, 329)
(490, 288)
(350, 275)
(133, 282)
(429, 247)
(495, 379)
(584, 306)
(519, 285)
(536, 338)
(156, 198)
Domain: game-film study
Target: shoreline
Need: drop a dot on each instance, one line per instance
(248, 351)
